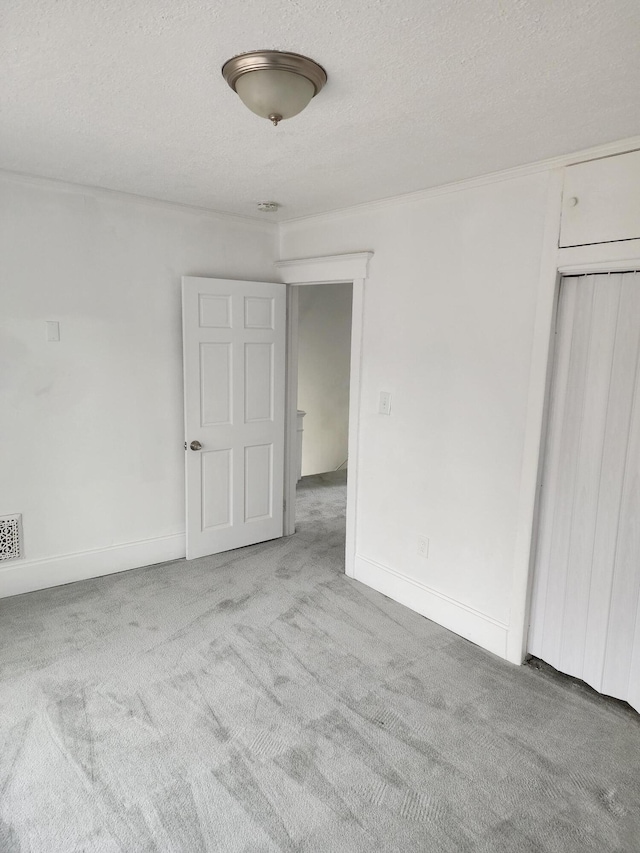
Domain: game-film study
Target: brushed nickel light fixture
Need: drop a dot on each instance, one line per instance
(274, 84)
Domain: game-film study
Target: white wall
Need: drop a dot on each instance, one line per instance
(324, 348)
(92, 430)
(450, 309)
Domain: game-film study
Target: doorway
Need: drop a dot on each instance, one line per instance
(350, 269)
(241, 347)
(324, 348)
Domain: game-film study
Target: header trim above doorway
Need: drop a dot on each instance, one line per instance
(325, 270)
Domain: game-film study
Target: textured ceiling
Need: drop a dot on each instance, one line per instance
(128, 95)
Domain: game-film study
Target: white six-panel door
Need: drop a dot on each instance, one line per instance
(234, 337)
(585, 617)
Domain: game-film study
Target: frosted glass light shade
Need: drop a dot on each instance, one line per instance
(274, 92)
(274, 84)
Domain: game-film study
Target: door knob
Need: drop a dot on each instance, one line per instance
(195, 445)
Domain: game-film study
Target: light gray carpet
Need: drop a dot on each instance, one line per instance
(261, 701)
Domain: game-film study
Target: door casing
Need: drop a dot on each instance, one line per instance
(333, 269)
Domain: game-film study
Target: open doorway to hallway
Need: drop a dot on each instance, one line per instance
(324, 348)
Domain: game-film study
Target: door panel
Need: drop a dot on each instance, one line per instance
(601, 201)
(216, 483)
(258, 312)
(234, 364)
(215, 311)
(258, 468)
(215, 383)
(258, 382)
(586, 593)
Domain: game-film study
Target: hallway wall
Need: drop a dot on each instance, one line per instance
(324, 350)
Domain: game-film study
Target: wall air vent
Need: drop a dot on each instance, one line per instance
(10, 537)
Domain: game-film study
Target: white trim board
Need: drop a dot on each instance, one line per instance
(329, 269)
(454, 615)
(599, 257)
(30, 575)
(530, 471)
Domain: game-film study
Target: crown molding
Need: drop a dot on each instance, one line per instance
(598, 152)
(121, 195)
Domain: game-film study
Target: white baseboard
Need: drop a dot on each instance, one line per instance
(457, 617)
(30, 575)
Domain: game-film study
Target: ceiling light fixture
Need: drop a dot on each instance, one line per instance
(274, 84)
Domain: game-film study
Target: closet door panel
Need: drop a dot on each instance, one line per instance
(543, 586)
(586, 592)
(625, 588)
(585, 502)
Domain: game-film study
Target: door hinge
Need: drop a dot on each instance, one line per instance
(185, 445)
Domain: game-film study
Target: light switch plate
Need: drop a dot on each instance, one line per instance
(384, 406)
(53, 330)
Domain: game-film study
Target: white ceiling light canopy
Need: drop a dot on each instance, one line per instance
(274, 84)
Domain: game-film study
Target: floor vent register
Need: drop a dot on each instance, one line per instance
(10, 537)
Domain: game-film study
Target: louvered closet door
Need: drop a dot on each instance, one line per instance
(585, 618)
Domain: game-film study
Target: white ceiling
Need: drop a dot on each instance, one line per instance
(128, 95)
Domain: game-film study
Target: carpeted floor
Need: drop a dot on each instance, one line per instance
(261, 701)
